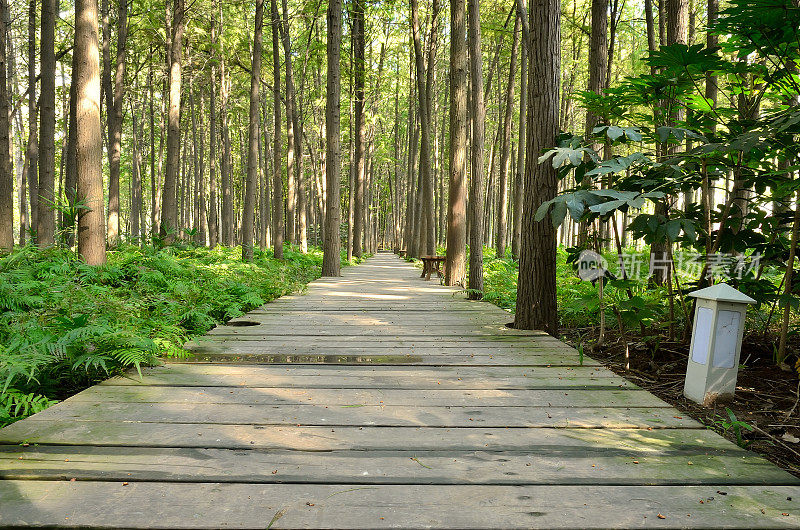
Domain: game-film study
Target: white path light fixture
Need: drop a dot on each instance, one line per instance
(716, 343)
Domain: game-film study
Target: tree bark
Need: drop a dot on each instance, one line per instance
(516, 241)
(169, 201)
(359, 177)
(505, 151)
(213, 229)
(536, 293)
(71, 177)
(88, 139)
(248, 215)
(32, 151)
(47, 126)
(136, 180)
(331, 260)
(228, 223)
(454, 271)
(6, 174)
(277, 179)
(476, 181)
(115, 123)
(297, 196)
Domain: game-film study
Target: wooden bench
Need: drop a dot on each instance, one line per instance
(431, 264)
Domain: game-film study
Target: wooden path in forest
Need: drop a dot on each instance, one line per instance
(380, 400)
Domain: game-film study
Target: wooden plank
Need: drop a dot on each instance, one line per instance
(396, 340)
(371, 415)
(559, 466)
(385, 360)
(119, 433)
(408, 377)
(335, 397)
(213, 505)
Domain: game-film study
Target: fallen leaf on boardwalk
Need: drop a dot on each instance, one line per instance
(660, 516)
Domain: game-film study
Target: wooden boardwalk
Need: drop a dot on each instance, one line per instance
(380, 400)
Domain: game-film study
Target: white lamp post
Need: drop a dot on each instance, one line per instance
(716, 343)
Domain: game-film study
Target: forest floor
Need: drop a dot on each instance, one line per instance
(766, 396)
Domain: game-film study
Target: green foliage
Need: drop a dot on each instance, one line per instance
(732, 424)
(65, 325)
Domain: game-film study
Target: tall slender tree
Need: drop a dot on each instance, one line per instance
(169, 201)
(248, 215)
(331, 260)
(476, 181)
(519, 180)
(45, 231)
(213, 229)
(360, 162)
(32, 148)
(115, 124)
(455, 260)
(296, 198)
(536, 292)
(88, 139)
(6, 173)
(505, 150)
(277, 179)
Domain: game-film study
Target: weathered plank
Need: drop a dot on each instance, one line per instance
(335, 397)
(373, 415)
(120, 433)
(408, 377)
(213, 505)
(370, 359)
(551, 466)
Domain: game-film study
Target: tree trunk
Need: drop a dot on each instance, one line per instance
(277, 179)
(676, 32)
(598, 60)
(6, 174)
(71, 178)
(359, 177)
(213, 229)
(136, 181)
(47, 126)
(169, 201)
(227, 186)
(32, 151)
(519, 188)
(115, 123)
(254, 131)
(505, 151)
(476, 181)
(536, 293)
(88, 139)
(331, 260)
(454, 271)
(297, 197)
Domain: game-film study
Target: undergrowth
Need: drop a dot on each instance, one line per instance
(65, 325)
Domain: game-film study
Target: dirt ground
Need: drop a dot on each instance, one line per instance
(766, 395)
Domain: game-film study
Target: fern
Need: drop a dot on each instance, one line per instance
(15, 405)
(64, 325)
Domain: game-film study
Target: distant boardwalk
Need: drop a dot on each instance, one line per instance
(380, 400)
